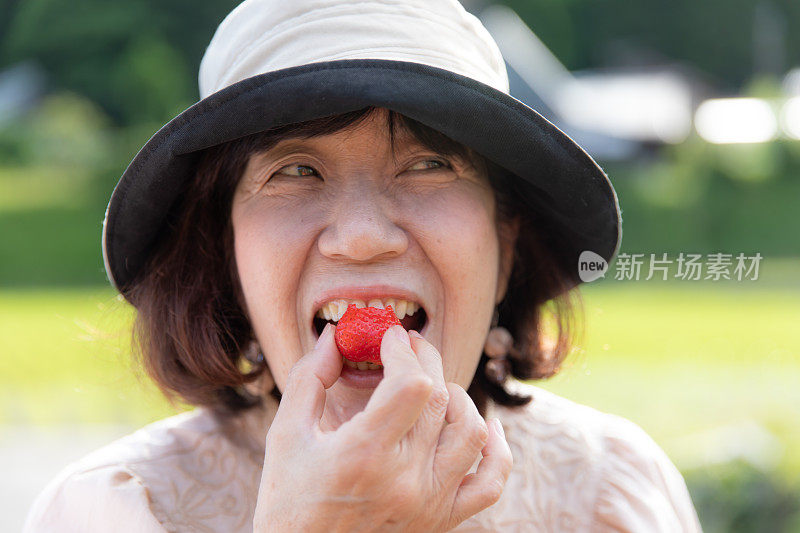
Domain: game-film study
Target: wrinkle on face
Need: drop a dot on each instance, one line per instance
(367, 219)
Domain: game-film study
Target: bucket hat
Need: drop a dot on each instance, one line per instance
(277, 62)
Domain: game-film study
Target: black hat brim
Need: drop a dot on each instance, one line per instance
(576, 195)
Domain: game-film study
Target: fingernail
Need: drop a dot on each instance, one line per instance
(325, 331)
(400, 334)
(499, 427)
(415, 334)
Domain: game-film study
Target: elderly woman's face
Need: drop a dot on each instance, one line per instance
(353, 217)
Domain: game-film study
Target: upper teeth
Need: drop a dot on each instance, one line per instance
(334, 309)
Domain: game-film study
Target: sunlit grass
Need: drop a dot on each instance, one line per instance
(37, 187)
(677, 359)
(66, 360)
(681, 360)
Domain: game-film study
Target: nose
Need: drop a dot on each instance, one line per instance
(360, 228)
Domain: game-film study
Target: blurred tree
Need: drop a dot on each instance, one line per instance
(136, 59)
(7, 9)
(715, 36)
(736, 497)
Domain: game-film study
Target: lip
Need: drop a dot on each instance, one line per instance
(422, 332)
(352, 377)
(366, 379)
(366, 293)
(360, 379)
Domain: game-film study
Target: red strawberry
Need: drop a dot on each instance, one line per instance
(359, 332)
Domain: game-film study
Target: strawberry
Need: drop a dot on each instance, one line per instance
(359, 332)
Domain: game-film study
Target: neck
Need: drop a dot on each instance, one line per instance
(249, 428)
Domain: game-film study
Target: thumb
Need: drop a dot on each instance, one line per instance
(304, 396)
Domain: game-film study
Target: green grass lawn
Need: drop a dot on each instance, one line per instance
(65, 359)
(710, 371)
(678, 359)
(691, 363)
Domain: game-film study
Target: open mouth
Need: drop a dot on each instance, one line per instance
(411, 314)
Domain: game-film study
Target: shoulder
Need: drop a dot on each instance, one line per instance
(589, 470)
(557, 423)
(117, 486)
(102, 498)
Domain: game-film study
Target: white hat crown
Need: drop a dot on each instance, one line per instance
(266, 35)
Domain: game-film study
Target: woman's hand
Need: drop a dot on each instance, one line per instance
(400, 465)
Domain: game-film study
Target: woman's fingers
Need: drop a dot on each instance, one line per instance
(461, 440)
(303, 397)
(400, 397)
(431, 419)
(483, 488)
(429, 358)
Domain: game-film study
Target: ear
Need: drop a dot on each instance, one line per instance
(507, 233)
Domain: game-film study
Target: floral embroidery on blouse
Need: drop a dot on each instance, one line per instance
(575, 469)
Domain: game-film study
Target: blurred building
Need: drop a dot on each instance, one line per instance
(613, 113)
(21, 87)
(623, 112)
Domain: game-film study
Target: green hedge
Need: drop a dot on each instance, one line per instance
(59, 165)
(739, 498)
(703, 198)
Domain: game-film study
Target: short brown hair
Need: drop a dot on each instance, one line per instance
(191, 328)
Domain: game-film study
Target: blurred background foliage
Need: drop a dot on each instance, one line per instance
(114, 72)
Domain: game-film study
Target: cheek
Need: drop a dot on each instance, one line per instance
(270, 254)
(269, 239)
(458, 235)
(257, 242)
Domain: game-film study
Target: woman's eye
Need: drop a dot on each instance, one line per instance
(297, 170)
(428, 164)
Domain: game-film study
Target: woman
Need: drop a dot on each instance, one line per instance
(360, 153)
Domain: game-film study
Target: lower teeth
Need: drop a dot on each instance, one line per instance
(362, 365)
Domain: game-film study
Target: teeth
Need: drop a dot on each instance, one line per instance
(342, 308)
(362, 365)
(334, 309)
